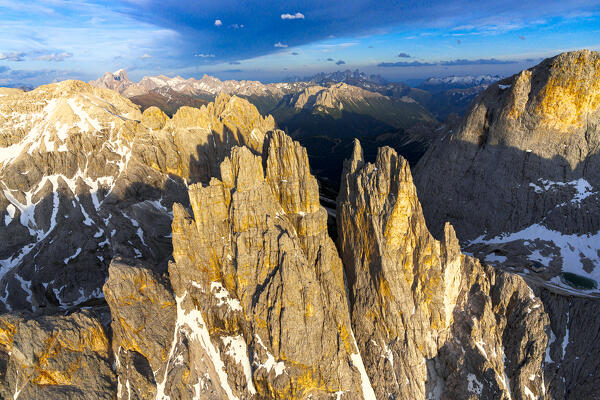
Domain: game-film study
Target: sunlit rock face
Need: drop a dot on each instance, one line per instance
(188, 257)
(430, 321)
(520, 176)
(520, 181)
(258, 295)
(55, 357)
(84, 177)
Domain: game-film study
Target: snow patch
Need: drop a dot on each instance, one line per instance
(10, 214)
(222, 295)
(195, 328)
(565, 342)
(365, 383)
(270, 364)
(473, 384)
(495, 258)
(582, 188)
(572, 248)
(74, 256)
(552, 339)
(236, 348)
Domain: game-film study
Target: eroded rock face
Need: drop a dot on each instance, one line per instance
(55, 357)
(255, 302)
(428, 320)
(520, 181)
(526, 158)
(143, 315)
(84, 177)
(260, 302)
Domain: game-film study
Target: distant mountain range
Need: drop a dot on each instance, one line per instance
(326, 110)
(338, 109)
(436, 85)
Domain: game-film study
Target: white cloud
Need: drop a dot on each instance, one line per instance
(292, 16)
(144, 56)
(55, 57)
(204, 55)
(279, 44)
(218, 22)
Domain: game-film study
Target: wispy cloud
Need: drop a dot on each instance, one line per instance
(294, 53)
(448, 63)
(233, 70)
(234, 63)
(330, 59)
(405, 64)
(279, 44)
(145, 56)
(13, 56)
(297, 15)
(340, 62)
(404, 55)
(201, 55)
(55, 56)
(338, 45)
(481, 61)
(218, 22)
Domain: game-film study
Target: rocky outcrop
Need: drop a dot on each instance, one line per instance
(85, 177)
(429, 321)
(143, 313)
(526, 158)
(519, 180)
(117, 81)
(55, 357)
(205, 235)
(260, 301)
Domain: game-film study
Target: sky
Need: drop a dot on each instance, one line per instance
(52, 40)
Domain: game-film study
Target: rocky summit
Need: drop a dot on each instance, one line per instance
(85, 176)
(430, 322)
(189, 257)
(520, 182)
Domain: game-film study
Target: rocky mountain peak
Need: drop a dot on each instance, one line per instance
(395, 267)
(519, 180)
(117, 80)
(75, 157)
(210, 222)
(540, 108)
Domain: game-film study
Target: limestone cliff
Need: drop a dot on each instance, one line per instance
(84, 177)
(430, 321)
(526, 157)
(520, 181)
(261, 306)
(205, 236)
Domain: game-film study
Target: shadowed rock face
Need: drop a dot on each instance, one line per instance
(520, 181)
(428, 320)
(526, 157)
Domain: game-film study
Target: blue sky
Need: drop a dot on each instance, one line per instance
(44, 41)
